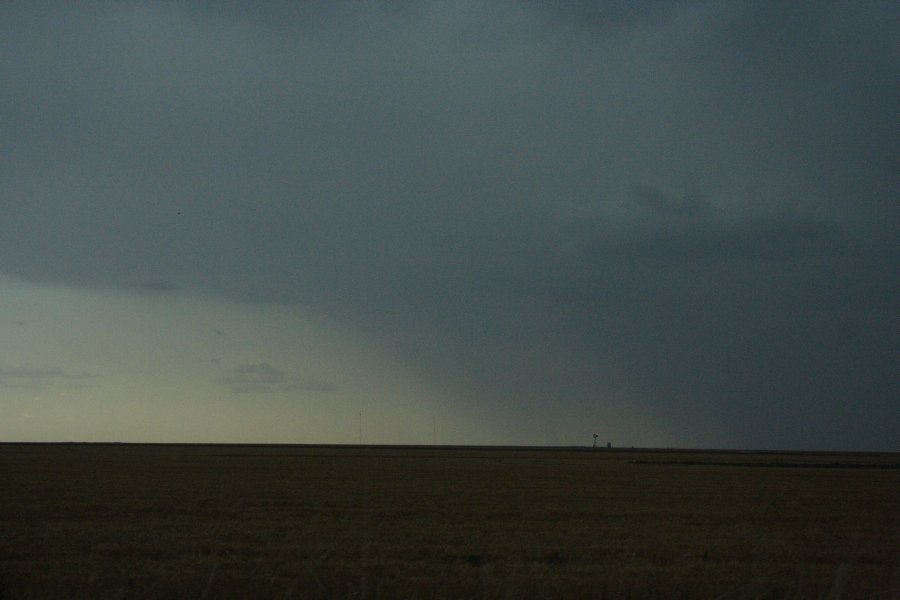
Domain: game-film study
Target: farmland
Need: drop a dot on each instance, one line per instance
(160, 521)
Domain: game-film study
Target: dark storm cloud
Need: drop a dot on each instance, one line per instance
(531, 203)
(688, 204)
(162, 287)
(750, 240)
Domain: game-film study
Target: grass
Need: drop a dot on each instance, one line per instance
(126, 521)
(781, 464)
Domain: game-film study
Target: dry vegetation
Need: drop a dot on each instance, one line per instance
(125, 521)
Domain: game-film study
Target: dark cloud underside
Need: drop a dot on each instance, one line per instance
(541, 207)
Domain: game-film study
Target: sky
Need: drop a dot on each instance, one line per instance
(669, 223)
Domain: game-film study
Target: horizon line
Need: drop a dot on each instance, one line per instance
(470, 447)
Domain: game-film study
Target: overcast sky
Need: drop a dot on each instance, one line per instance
(667, 223)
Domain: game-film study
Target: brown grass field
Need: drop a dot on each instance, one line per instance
(145, 521)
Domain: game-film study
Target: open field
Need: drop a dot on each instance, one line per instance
(132, 521)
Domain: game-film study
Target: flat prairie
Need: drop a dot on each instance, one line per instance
(219, 521)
